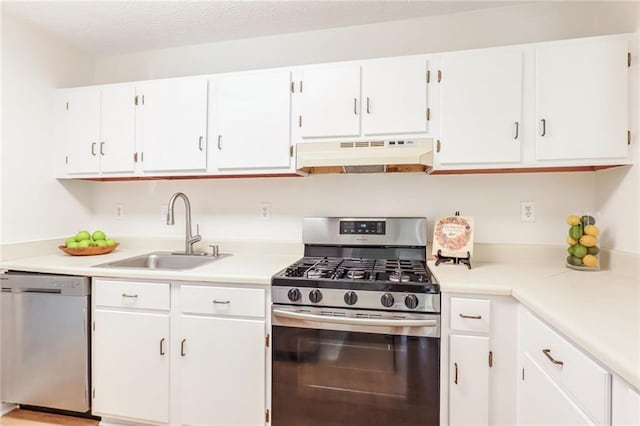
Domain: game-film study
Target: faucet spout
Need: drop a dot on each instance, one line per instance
(190, 239)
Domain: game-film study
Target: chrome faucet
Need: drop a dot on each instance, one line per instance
(190, 239)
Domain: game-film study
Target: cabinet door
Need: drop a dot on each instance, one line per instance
(394, 96)
(252, 119)
(625, 406)
(542, 402)
(173, 124)
(222, 371)
(481, 116)
(131, 365)
(83, 130)
(330, 104)
(468, 380)
(117, 132)
(581, 94)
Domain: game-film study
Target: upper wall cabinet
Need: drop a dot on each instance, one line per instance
(394, 96)
(172, 124)
(481, 109)
(330, 101)
(250, 120)
(99, 128)
(582, 89)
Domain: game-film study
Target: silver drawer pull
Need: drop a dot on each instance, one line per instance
(547, 353)
(133, 296)
(221, 302)
(471, 316)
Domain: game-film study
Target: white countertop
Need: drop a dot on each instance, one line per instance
(599, 311)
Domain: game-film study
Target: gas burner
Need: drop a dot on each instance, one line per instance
(319, 273)
(399, 277)
(356, 274)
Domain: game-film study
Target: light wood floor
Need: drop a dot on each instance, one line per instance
(34, 418)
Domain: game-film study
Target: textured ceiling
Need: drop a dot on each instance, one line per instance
(110, 27)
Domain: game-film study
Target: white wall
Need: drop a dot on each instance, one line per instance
(33, 204)
(229, 208)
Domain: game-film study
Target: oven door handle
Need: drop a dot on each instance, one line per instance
(356, 321)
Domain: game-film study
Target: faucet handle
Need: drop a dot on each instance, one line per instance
(215, 250)
(197, 229)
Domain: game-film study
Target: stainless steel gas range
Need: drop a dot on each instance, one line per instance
(356, 327)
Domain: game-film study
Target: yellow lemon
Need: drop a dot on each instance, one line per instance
(591, 230)
(571, 241)
(573, 220)
(588, 240)
(590, 260)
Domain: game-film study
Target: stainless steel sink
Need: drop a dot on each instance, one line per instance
(162, 260)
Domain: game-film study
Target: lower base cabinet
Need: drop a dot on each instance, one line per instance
(171, 353)
(222, 369)
(469, 390)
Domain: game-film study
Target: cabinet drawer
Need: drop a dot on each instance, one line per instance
(470, 314)
(583, 378)
(246, 302)
(124, 294)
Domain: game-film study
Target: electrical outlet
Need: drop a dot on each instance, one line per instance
(164, 209)
(265, 210)
(119, 211)
(527, 211)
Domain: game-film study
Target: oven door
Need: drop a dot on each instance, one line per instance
(345, 367)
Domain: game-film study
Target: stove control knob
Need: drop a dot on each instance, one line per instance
(387, 300)
(411, 301)
(294, 294)
(350, 298)
(315, 296)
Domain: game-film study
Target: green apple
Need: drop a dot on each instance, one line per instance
(69, 240)
(71, 244)
(111, 242)
(84, 243)
(83, 235)
(98, 235)
(101, 243)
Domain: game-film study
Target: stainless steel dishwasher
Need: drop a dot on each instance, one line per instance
(45, 340)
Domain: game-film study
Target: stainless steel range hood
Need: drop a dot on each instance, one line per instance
(404, 156)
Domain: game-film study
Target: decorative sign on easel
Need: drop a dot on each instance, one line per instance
(453, 239)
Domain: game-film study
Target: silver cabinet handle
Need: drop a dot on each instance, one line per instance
(547, 353)
(368, 105)
(221, 302)
(356, 321)
(355, 106)
(517, 130)
(162, 352)
(93, 148)
(544, 127)
(133, 296)
(101, 148)
(219, 142)
(471, 316)
(200, 143)
(182, 351)
(455, 379)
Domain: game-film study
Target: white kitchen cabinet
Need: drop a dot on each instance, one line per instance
(99, 129)
(541, 401)
(625, 410)
(251, 120)
(222, 371)
(131, 365)
(585, 383)
(394, 96)
(468, 380)
(330, 101)
(82, 125)
(479, 344)
(481, 107)
(582, 89)
(172, 124)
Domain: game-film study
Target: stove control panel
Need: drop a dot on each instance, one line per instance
(368, 227)
(341, 298)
